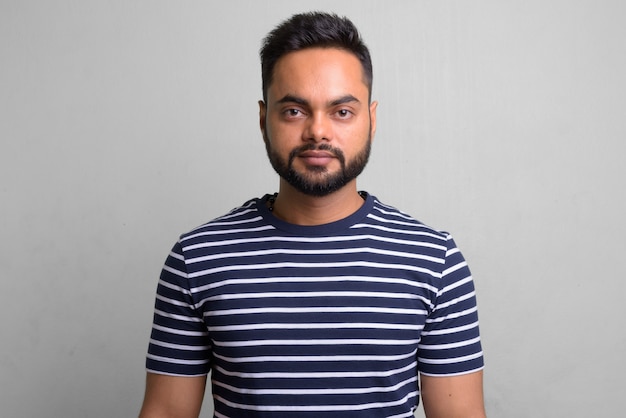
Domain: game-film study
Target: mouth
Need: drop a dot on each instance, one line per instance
(316, 157)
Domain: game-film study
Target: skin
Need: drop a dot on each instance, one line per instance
(317, 96)
(453, 396)
(173, 396)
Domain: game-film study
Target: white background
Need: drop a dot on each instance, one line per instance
(126, 123)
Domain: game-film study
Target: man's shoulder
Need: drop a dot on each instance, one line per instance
(239, 218)
(390, 217)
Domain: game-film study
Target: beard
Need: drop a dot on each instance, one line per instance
(317, 180)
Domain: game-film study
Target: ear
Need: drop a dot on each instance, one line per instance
(262, 116)
(373, 107)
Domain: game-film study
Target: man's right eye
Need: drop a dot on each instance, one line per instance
(293, 112)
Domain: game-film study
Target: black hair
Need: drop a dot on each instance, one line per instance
(309, 30)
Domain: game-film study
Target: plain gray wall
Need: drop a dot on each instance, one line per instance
(126, 123)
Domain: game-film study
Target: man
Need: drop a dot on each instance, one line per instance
(319, 300)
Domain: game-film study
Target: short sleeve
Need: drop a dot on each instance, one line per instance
(179, 342)
(450, 343)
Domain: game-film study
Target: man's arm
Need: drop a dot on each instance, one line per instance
(172, 396)
(453, 396)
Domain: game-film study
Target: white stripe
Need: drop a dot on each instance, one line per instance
(347, 238)
(450, 345)
(455, 374)
(316, 325)
(452, 315)
(398, 231)
(225, 231)
(314, 265)
(261, 295)
(179, 346)
(177, 256)
(452, 251)
(455, 285)
(172, 301)
(409, 414)
(450, 360)
(316, 374)
(259, 343)
(314, 309)
(180, 331)
(316, 408)
(174, 287)
(341, 251)
(176, 272)
(235, 213)
(308, 359)
(396, 213)
(454, 268)
(174, 374)
(329, 279)
(176, 361)
(453, 330)
(175, 316)
(239, 214)
(413, 224)
(330, 391)
(456, 300)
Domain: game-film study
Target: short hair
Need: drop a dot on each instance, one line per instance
(310, 30)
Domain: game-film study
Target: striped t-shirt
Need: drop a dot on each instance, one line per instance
(315, 321)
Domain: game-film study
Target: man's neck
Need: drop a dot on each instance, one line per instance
(300, 209)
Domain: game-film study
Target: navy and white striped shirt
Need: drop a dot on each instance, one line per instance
(315, 321)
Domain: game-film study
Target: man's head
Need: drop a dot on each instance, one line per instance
(317, 117)
(311, 30)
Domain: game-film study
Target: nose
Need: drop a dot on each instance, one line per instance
(318, 128)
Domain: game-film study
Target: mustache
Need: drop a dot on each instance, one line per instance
(336, 152)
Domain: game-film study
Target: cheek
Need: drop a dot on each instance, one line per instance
(354, 136)
(282, 135)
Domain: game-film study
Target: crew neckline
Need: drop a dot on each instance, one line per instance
(323, 229)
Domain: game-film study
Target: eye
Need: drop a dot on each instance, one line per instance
(292, 113)
(344, 113)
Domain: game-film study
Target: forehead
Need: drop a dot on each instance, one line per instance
(318, 71)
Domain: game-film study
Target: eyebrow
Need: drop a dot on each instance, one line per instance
(289, 98)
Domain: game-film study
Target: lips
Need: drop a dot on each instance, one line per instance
(313, 157)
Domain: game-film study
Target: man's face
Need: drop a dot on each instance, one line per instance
(318, 123)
